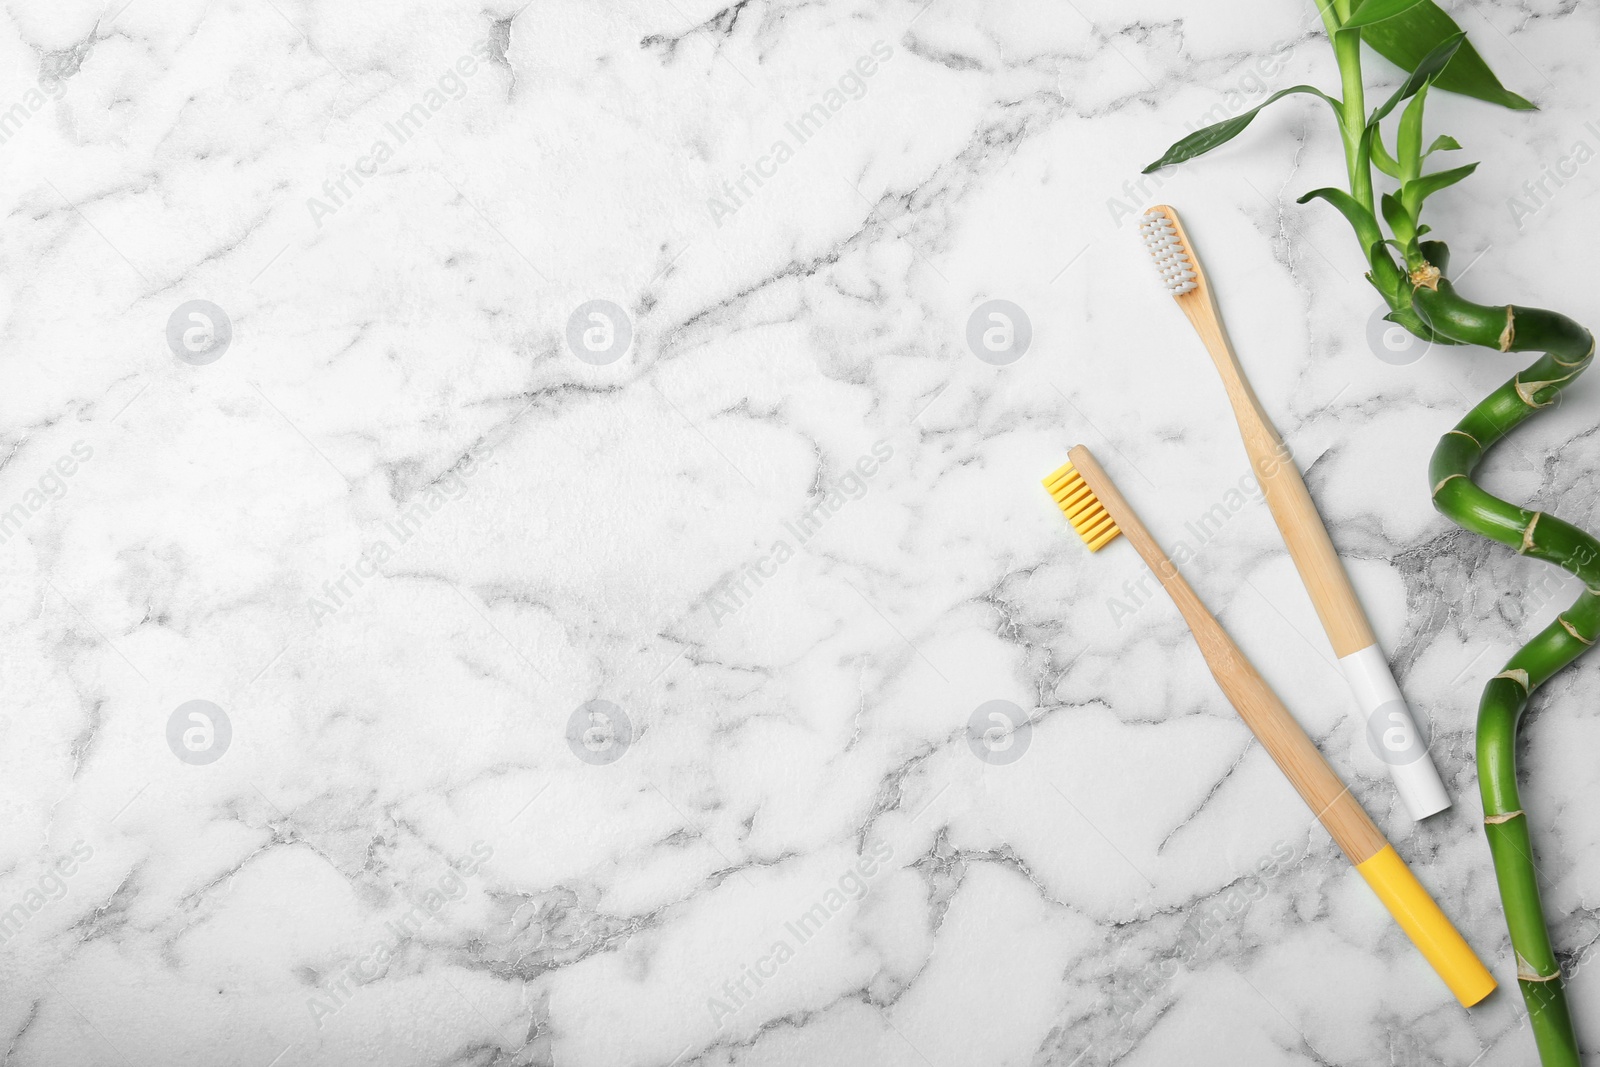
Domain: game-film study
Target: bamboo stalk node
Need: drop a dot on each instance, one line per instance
(1573, 630)
(1508, 334)
(1518, 675)
(1426, 276)
(1527, 535)
(1526, 390)
(1527, 973)
(1580, 361)
(1443, 480)
(1502, 817)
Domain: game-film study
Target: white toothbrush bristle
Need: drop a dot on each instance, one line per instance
(1172, 259)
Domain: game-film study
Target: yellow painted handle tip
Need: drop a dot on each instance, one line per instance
(1433, 934)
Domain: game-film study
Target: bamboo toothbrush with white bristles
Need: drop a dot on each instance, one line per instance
(1390, 728)
(1098, 512)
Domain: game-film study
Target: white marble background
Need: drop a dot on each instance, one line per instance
(1140, 887)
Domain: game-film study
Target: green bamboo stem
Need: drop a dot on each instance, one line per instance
(1567, 351)
(1353, 112)
(1422, 300)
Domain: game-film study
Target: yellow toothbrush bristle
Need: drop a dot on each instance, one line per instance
(1081, 507)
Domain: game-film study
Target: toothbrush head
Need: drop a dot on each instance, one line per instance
(1082, 508)
(1164, 237)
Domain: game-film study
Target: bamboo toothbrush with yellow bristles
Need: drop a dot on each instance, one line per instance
(1391, 730)
(1099, 513)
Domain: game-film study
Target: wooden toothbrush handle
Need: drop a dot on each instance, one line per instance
(1408, 901)
(1277, 730)
(1304, 532)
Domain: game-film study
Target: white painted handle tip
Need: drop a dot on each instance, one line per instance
(1392, 733)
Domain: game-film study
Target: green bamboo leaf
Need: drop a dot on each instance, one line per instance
(1380, 153)
(1377, 10)
(1401, 224)
(1359, 217)
(1202, 141)
(1406, 38)
(1442, 143)
(1384, 275)
(1426, 69)
(1417, 190)
(1408, 139)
